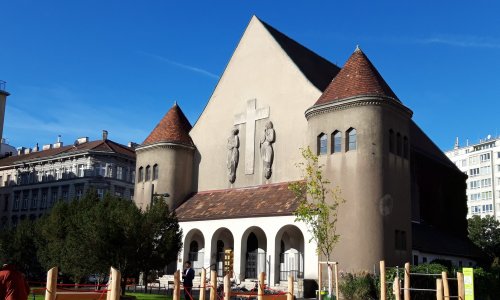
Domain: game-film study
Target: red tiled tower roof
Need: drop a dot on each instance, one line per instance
(358, 77)
(173, 127)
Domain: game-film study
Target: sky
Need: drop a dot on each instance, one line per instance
(74, 68)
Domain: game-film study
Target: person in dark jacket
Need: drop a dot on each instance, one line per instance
(187, 280)
(13, 285)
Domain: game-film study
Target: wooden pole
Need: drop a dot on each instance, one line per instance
(397, 288)
(177, 285)
(383, 287)
(51, 287)
(407, 282)
(289, 296)
(461, 288)
(262, 278)
(203, 283)
(115, 284)
(439, 289)
(446, 287)
(227, 287)
(320, 279)
(336, 281)
(213, 285)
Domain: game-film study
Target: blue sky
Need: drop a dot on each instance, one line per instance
(77, 67)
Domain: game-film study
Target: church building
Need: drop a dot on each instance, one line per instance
(227, 175)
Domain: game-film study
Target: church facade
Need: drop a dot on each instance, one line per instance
(227, 176)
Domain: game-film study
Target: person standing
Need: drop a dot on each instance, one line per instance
(13, 285)
(187, 280)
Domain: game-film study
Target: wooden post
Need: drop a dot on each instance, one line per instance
(177, 285)
(203, 283)
(446, 287)
(262, 278)
(407, 282)
(289, 296)
(439, 289)
(213, 285)
(227, 287)
(320, 279)
(383, 287)
(397, 288)
(461, 288)
(336, 281)
(115, 284)
(51, 287)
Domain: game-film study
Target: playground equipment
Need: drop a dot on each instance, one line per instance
(52, 292)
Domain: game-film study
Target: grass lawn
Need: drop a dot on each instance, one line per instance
(139, 296)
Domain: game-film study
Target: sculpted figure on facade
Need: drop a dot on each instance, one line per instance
(233, 154)
(266, 149)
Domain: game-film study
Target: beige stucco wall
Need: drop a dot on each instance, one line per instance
(259, 69)
(364, 177)
(174, 174)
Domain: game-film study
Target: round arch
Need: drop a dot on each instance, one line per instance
(222, 241)
(253, 252)
(289, 253)
(194, 249)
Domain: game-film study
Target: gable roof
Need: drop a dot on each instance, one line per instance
(173, 127)
(358, 77)
(96, 146)
(315, 68)
(258, 201)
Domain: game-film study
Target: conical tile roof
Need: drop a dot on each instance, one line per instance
(174, 127)
(358, 77)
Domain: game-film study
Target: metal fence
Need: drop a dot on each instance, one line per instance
(291, 264)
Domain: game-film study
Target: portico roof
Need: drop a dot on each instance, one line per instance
(257, 201)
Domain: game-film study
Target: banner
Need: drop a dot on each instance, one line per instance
(469, 283)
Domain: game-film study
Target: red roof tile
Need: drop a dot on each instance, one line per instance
(174, 127)
(258, 201)
(358, 77)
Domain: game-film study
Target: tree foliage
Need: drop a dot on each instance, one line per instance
(485, 233)
(319, 203)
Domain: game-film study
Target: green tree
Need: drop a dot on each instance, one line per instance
(161, 237)
(319, 204)
(485, 233)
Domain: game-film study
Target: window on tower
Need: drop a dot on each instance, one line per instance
(322, 144)
(391, 141)
(140, 176)
(148, 173)
(337, 141)
(406, 147)
(399, 144)
(155, 172)
(352, 140)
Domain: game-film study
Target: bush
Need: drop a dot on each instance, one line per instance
(359, 286)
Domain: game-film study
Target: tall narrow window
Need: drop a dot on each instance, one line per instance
(148, 173)
(398, 144)
(155, 172)
(322, 144)
(337, 141)
(405, 147)
(352, 142)
(391, 141)
(141, 174)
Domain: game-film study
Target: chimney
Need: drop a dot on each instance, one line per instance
(27, 151)
(82, 140)
(58, 144)
(132, 145)
(35, 149)
(47, 147)
(104, 135)
(456, 144)
(20, 150)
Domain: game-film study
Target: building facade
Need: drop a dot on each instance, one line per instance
(228, 174)
(481, 163)
(33, 180)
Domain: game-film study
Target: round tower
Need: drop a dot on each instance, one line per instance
(352, 127)
(164, 163)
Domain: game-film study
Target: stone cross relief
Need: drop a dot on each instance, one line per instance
(249, 117)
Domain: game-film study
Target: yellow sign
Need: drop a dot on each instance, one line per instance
(469, 283)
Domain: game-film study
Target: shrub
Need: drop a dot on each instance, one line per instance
(359, 286)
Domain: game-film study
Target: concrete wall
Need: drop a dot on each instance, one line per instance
(261, 70)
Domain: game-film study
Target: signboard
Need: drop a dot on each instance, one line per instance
(469, 283)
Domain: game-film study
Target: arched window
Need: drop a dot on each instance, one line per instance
(141, 174)
(351, 142)
(391, 141)
(405, 147)
(322, 144)
(193, 251)
(148, 173)
(399, 144)
(155, 172)
(336, 141)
